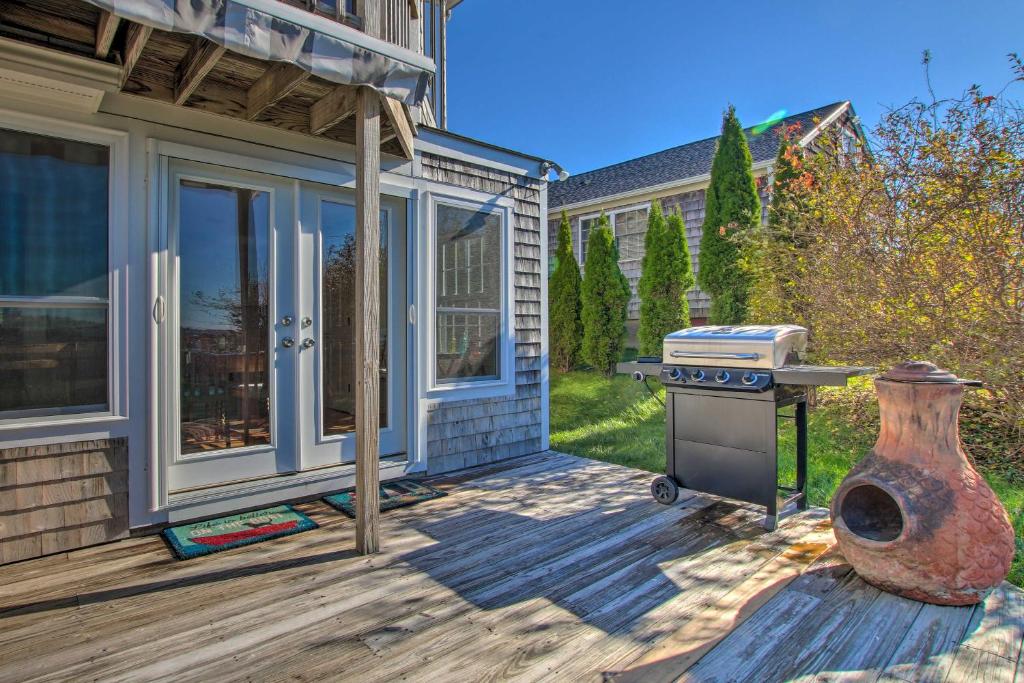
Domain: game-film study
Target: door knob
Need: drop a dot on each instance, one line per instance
(287, 342)
(308, 343)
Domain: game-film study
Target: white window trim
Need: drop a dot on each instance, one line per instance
(468, 389)
(117, 264)
(610, 213)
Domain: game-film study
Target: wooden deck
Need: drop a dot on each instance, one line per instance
(547, 567)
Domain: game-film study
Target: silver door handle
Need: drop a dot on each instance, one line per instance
(287, 342)
(714, 354)
(308, 343)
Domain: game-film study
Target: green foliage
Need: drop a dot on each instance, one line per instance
(565, 327)
(605, 298)
(732, 206)
(773, 255)
(666, 277)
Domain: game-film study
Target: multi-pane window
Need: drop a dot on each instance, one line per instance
(468, 274)
(630, 228)
(586, 225)
(54, 294)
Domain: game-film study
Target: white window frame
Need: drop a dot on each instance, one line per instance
(469, 388)
(579, 234)
(117, 264)
(611, 214)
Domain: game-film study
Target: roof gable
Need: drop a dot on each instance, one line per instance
(676, 164)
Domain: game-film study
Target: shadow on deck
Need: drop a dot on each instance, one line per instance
(544, 567)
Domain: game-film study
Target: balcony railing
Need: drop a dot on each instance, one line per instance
(396, 18)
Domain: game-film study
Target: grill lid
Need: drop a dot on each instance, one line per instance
(754, 346)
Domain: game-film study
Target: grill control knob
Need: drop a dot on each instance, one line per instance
(748, 378)
(675, 374)
(722, 377)
(697, 375)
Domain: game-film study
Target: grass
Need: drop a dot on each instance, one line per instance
(617, 420)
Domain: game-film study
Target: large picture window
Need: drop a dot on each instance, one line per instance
(54, 292)
(468, 274)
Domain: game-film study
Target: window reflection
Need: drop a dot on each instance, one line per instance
(224, 278)
(53, 274)
(468, 275)
(338, 343)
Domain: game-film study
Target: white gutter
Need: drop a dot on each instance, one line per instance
(825, 122)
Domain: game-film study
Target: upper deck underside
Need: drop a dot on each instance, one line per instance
(544, 567)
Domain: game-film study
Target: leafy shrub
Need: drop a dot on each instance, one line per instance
(916, 251)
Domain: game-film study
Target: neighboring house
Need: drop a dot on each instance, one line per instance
(181, 298)
(678, 177)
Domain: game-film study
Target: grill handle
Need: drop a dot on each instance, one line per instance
(714, 354)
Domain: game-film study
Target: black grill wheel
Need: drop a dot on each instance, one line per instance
(665, 490)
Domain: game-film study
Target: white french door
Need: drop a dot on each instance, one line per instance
(328, 294)
(256, 373)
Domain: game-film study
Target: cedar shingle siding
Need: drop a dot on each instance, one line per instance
(466, 433)
(691, 205)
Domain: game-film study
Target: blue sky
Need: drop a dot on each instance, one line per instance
(588, 83)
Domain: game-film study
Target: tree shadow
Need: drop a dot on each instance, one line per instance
(607, 574)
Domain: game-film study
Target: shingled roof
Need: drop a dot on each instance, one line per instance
(672, 165)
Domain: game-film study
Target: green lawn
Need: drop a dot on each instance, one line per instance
(617, 420)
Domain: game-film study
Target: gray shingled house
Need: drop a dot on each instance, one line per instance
(678, 177)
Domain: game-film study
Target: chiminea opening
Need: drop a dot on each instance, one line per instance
(871, 513)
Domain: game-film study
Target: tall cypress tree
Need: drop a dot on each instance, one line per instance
(605, 298)
(665, 278)
(565, 328)
(731, 205)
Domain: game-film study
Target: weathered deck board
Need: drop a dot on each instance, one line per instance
(547, 567)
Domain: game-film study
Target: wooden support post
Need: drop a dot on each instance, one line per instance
(367, 358)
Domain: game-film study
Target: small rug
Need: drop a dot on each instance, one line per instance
(393, 494)
(223, 533)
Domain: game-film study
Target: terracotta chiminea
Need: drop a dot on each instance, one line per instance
(914, 517)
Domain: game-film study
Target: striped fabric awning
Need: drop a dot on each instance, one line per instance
(273, 31)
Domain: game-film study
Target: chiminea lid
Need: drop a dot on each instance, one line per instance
(923, 372)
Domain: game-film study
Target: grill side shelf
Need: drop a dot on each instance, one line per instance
(819, 375)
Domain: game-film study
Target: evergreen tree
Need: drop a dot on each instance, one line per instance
(789, 172)
(666, 277)
(605, 298)
(565, 329)
(731, 206)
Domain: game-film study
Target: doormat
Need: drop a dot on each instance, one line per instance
(224, 533)
(393, 494)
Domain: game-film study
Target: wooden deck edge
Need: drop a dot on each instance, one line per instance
(676, 653)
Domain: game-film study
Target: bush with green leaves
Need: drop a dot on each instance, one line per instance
(605, 298)
(565, 327)
(666, 276)
(732, 206)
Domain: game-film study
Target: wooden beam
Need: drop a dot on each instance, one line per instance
(195, 65)
(274, 85)
(134, 44)
(332, 109)
(367, 358)
(400, 127)
(105, 31)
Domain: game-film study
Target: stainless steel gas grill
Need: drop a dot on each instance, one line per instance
(725, 386)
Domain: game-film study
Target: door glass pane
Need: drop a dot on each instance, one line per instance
(53, 358)
(223, 248)
(468, 277)
(53, 216)
(338, 311)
